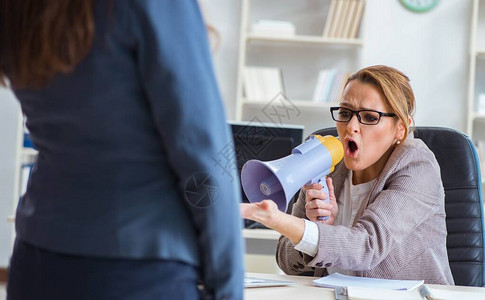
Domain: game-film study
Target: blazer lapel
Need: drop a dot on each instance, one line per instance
(378, 185)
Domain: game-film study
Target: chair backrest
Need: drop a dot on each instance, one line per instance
(460, 173)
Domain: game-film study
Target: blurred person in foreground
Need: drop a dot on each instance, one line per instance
(125, 200)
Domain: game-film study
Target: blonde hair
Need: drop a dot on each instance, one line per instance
(395, 87)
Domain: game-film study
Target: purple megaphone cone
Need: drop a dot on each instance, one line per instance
(280, 179)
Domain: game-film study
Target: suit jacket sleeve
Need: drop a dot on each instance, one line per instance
(176, 69)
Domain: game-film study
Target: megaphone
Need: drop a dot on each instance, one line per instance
(280, 179)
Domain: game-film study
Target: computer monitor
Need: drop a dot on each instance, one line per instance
(263, 141)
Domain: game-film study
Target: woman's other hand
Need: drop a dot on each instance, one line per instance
(316, 204)
(265, 212)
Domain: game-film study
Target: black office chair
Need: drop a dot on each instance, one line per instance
(460, 173)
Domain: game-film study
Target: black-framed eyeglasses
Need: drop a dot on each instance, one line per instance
(365, 116)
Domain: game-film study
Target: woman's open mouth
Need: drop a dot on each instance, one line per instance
(351, 149)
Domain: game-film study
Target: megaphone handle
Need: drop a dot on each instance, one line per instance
(323, 182)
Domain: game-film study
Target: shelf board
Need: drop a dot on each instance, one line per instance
(261, 234)
(480, 53)
(29, 151)
(479, 116)
(308, 39)
(298, 103)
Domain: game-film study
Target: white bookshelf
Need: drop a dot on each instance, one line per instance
(299, 56)
(301, 39)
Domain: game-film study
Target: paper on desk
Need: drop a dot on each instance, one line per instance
(339, 280)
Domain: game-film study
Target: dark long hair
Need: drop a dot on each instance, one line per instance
(39, 38)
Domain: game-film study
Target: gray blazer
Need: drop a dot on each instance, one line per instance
(399, 231)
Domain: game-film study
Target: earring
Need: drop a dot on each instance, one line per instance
(398, 142)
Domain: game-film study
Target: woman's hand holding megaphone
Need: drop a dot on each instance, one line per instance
(317, 204)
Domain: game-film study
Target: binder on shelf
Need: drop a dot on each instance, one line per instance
(338, 86)
(351, 14)
(357, 19)
(336, 19)
(261, 83)
(330, 16)
(343, 19)
(318, 91)
(330, 84)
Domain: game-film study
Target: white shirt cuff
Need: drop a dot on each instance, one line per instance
(309, 241)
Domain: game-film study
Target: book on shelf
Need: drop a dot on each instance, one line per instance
(336, 18)
(338, 86)
(273, 28)
(351, 12)
(344, 18)
(356, 19)
(325, 78)
(329, 86)
(330, 16)
(262, 83)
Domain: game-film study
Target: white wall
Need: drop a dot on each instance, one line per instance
(431, 48)
(9, 114)
(225, 16)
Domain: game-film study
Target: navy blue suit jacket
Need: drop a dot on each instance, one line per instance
(135, 157)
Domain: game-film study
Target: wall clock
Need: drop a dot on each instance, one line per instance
(419, 5)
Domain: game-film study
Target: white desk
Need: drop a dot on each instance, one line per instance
(305, 290)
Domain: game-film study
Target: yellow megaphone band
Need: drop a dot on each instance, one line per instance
(334, 146)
